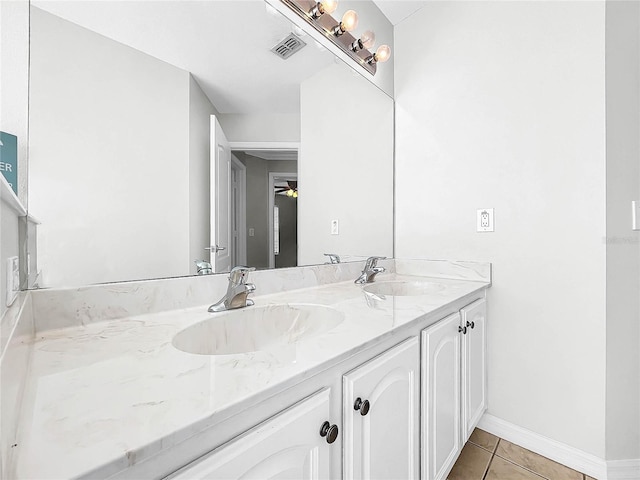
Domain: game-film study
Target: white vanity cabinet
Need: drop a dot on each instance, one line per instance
(380, 418)
(474, 366)
(453, 386)
(407, 410)
(441, 397)
(287, 446)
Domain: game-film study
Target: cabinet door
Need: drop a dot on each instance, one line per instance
(440, 397)
(383, 443)
(474, 366)
(286, 447)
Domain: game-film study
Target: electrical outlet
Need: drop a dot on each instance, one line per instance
(485, 220)
(252, 232)
(13, 279)
(335, 227)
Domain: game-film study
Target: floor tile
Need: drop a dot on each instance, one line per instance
(536, 463)
(471, 464)
(484, 439)
(500, 469)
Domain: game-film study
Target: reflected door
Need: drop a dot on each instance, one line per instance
(220, 234)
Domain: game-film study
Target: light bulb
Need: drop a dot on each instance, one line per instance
(366, 40)
(349, 21)
(322, 7)
(289, 193)
(382, 55)
(295, 194)
(328, 6)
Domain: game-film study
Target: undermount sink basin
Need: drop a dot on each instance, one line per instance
(252, 329)
(402, 288)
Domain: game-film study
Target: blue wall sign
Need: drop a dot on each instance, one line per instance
(9, 159)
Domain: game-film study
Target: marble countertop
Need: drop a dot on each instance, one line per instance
(103, 396)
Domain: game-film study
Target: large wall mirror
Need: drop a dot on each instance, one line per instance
(164, 135)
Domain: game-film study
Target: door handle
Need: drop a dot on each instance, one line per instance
(215, 248)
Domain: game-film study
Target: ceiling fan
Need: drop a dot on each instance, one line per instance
(290, 189)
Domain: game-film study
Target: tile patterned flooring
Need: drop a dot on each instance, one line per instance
(487, 457)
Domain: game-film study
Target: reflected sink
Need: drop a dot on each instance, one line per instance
(403, 289)
(253, 329)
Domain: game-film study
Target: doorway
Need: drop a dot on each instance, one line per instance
(283, 221)
(267, 166)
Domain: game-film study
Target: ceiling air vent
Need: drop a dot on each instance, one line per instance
(287, 47)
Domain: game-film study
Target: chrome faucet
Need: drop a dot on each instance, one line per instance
(237, 291)
(333, 257)
(370, 270)
(203, 267)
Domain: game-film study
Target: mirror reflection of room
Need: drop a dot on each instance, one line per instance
(271, 203)
(122, 137)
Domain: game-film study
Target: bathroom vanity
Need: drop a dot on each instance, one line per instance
(335, 380)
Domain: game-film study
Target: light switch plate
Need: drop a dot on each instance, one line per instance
(335, 227)
(485, 220)
(13, 279)
(635, 215)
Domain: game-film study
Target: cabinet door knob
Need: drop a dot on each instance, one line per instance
(329, 431)
(470, 324)
(364, 407)
(462, 330)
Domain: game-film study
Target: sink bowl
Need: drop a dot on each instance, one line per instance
(253, 329)
(403, 289)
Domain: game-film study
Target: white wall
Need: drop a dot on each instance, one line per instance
(200, 111)
(14, 73)
(116, 122)
(504, 107)
(14, 99)
(14, 81)
(267, 127)
(348, 174)
(623, 244)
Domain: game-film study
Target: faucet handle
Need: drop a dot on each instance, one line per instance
(333, 257)
(238, 274)
(372, 262)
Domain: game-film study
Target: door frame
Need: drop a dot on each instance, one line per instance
(283, 146)
(218, 214)
(272, 201)
(241, 255)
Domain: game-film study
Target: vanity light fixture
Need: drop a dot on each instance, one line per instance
(322, 7)
(348, 23)
(318, 15)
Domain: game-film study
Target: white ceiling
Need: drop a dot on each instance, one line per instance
(398, 10)
(225, 44)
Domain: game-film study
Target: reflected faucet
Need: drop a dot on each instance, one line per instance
(370, 270)
(203, 267)
(237, 291)
(333, 257)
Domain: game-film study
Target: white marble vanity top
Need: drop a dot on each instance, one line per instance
(103, 396)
